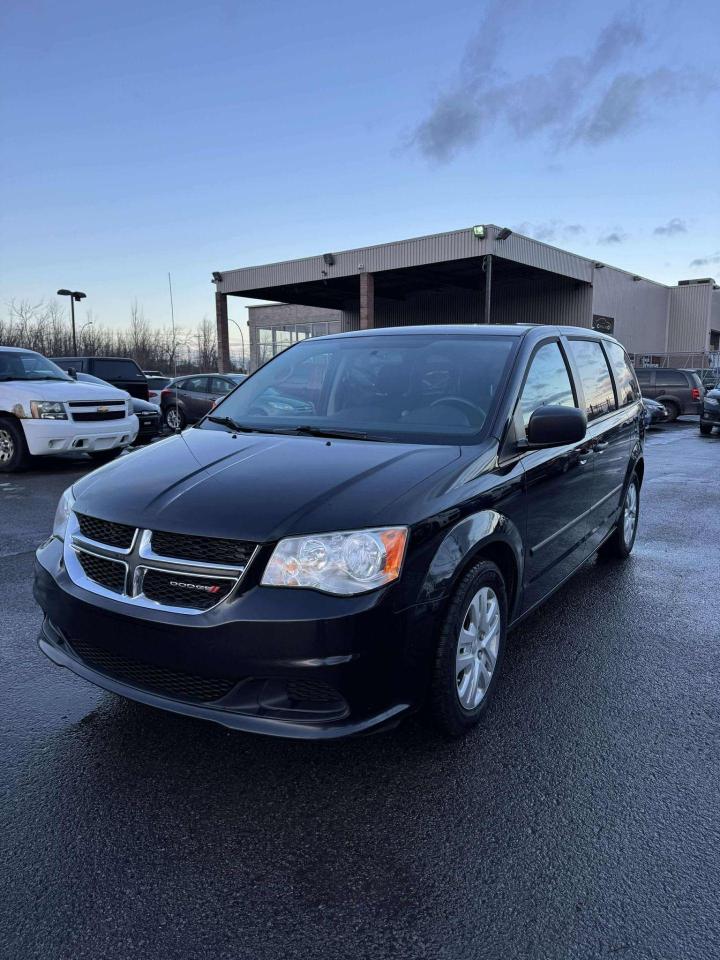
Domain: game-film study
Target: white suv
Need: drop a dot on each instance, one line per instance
(44, 411)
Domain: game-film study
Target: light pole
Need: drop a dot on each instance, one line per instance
(74, 295)
(242, 338)
(88, 323)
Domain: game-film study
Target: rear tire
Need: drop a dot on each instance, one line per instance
(706, 429)
(470, 650)
(14, 453)
(175, 419)
(620, 543)
(673, 410)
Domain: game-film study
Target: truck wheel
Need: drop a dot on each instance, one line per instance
(14, 454)
(673, 410)
(620, 543)
(706, 429)
(470, 650)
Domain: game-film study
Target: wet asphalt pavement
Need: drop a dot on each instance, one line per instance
(581, 820)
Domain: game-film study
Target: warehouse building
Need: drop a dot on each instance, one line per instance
(483, 274)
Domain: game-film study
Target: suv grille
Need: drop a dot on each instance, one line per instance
(170, 683)
(98, 415)
(108, 573)
(103, 531)
(182, 589)
(202, 549)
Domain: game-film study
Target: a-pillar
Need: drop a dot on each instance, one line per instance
(367, 301)
(223, 336)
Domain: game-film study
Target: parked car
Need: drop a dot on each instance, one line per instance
(321, 574)
(148, 414)
(710, 415)
(188, 399)
(679, 391)
(654, 412)
(121, 372)
(156, 384)
(708, 378)
(44, 411)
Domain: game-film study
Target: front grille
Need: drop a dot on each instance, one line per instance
(103, 531)
(202, 549)
(96, 415)
(170, 683)
(108, 573)
(181, 589)
(312, 691)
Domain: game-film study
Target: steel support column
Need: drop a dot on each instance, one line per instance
(487, 267)
(223, 336)
(367, 301)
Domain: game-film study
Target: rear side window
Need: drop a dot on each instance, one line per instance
(670, 378)
(644, 376)
(548, 382)
(111, 369)
(627, 387)
(195, 385)
(595, 376)
(220, 385)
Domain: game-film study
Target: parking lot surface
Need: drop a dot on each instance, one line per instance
(581, 820)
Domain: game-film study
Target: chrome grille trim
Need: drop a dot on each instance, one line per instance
(138, 558)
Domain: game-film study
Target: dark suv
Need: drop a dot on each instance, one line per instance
(352, 532)
(679, 391)
(121, 372)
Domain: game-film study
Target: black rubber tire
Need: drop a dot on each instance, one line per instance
(20, 458)
(706, 429)
(449, 716)
(615, 547)
(182, 419)
(105, 456)
(673, 410)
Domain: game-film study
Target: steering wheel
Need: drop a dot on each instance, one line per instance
(462, 403)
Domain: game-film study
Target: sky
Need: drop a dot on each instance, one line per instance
(151, 137)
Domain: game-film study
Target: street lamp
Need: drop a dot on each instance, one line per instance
(74, 295)
(242, 338)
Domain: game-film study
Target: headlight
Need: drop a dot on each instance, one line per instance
(62, 514)
(341, 563)
(48, 410)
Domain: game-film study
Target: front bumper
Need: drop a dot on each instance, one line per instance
(710, 415)
(261, 645)
(60, 436)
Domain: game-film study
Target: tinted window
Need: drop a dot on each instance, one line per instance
(157, 383)
(424, 387)
(548, 382)
(220, 385)
(627, 388)
(112, 369)
(644, 376)
(195, 385)
(595, 376)
(670, 378)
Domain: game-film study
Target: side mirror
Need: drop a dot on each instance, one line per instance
(72, 372)
(553, 426)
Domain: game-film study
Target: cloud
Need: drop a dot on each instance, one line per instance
(612, 238)
(588, 98)
(671, 228)
(710, 261)
(549, 230)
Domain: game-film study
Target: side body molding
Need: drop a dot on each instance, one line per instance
(462, 542)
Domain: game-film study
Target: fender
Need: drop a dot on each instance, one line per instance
(463, 542)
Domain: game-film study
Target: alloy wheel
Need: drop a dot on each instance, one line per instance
(477, 648)
(7, 447)
(630, 513)
(173, 419)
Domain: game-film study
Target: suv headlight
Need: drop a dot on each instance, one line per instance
(62, 514)
(342, 563)
(48, 410)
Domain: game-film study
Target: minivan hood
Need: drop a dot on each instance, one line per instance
(258, 487)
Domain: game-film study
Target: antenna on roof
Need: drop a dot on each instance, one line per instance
(175, 349)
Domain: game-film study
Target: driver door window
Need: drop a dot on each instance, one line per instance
(548, 382)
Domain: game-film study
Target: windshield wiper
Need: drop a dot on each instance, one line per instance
(322, 432)
(230, 423)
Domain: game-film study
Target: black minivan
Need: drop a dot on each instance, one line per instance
(352, 532)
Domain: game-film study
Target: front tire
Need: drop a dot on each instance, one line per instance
(14, 453)
(175, 418)
(706, 429)
(469, 651)
(620, 543)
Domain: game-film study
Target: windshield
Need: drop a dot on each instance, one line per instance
(416, 388)
(16, 365)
